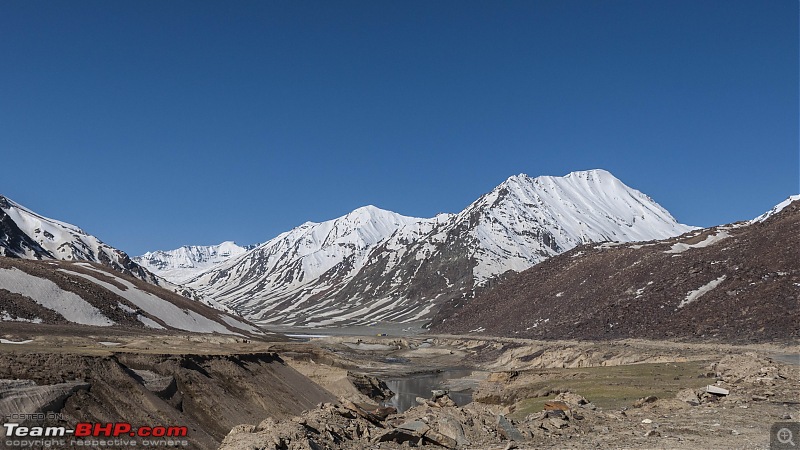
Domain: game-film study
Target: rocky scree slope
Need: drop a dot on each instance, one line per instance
(374, 265)
(736, 283)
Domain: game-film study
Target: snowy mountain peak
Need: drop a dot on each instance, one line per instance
(525, 220)
(373, 264)
(371, 213)
(184, 263)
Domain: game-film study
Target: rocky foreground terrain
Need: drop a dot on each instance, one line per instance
(236, 393)
(631, 394)
(206, 383)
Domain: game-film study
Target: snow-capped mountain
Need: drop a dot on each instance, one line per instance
(28, 235)
(735, 283)
(183, 264)
(304, 262)
(375, 265)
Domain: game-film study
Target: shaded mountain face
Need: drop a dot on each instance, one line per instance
(736, 283)
(375, 265)
(183, 264)
(91, 294)
(28, 235)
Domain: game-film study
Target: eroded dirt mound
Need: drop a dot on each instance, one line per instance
(207, 393)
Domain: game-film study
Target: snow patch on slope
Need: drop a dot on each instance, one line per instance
(47, 294)
(702, 290)
(680, 247)
(170, 314)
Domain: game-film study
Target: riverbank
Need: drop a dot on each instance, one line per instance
(639, 394)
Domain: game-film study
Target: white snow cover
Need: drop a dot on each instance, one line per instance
(6, 341)
(581, 207)
(167, 312)
(293, 261)
(46, 293)
(680, 247)
(64, 241)
(293, 278)
(776, 209)
(149, 323)
(67, 242)
(702, 290)
(6, 317)
(183, 264)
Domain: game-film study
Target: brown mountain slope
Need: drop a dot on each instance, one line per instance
(91, 294)
(736, 283)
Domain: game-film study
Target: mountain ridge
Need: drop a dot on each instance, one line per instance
(402, 268)
(26, 234)
(738, 282)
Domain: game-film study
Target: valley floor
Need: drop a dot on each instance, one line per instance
(300, 394)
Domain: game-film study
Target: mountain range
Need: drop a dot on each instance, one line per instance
(581, 256)
(183, 264)
(375, 265)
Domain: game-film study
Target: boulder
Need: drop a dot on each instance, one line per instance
(689, 396)
(644, 400)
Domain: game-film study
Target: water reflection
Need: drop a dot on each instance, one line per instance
(406, 390)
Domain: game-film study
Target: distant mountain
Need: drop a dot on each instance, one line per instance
(374, 265)
(311, 258)
(183, 264)
(91, 294)
(738, 282)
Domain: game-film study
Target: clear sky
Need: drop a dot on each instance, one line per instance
(153, 124)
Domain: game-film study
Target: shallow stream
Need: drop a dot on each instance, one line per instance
(408, 388)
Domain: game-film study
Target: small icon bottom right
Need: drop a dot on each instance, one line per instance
(784, 435)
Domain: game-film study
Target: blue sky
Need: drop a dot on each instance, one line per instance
(155, 124)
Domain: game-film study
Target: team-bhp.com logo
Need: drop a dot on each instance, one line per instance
(17, 435)
(85, 429)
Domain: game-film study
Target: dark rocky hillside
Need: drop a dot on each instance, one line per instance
(735, 283)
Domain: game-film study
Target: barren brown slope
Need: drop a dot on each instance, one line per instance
(26, 286)
(746, 288)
